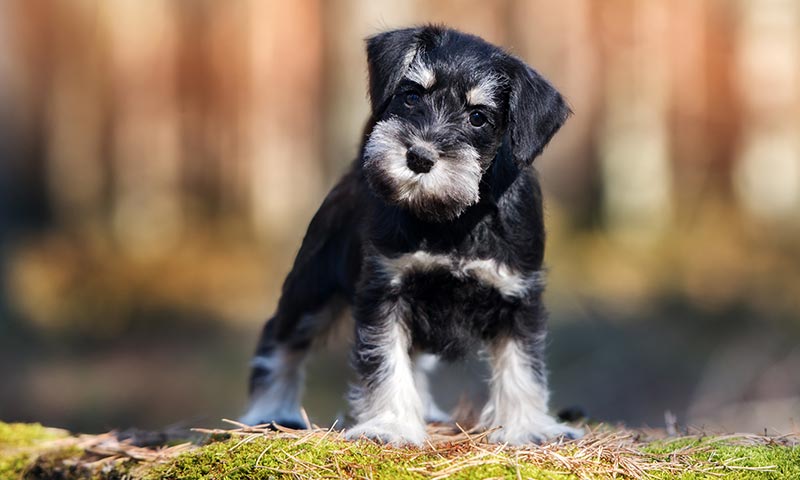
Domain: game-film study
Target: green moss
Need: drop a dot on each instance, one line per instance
(12, 466)
(24, 445)
(25, 452)
(736, 462)
(278, 458)
(15, 435)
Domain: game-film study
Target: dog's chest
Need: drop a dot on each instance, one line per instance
(481, 273)
(451, 302)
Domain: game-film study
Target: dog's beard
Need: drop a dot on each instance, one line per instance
(452, 184)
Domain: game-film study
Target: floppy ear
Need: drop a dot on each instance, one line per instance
(536, 112)
(388, 57)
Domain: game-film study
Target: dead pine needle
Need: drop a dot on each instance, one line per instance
(604, 452)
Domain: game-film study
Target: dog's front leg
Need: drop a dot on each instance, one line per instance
(519, 395)
(386, 403)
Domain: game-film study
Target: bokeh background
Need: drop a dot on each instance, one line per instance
(159, 161)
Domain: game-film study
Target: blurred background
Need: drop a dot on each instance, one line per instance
(160, 160)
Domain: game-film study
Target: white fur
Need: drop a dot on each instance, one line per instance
(453, 179)
(280, 399)
(424, 365)
(409, 57)
(421, 73)
(392, 410)
(500, 276)
(518, 400)
(484, 93)
(508, 282)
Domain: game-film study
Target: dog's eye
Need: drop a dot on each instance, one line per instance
(412, 99)
(477, 119)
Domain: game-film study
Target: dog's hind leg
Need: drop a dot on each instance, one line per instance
(324, 274)
(424, 365)
(276, 383)
(277, 371)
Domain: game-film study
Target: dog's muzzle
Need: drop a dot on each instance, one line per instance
(412, 171)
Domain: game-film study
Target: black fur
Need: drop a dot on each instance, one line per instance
(361, 223)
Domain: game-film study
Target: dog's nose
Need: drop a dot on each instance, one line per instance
(420, 159)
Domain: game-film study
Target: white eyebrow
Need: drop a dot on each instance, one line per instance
(484, 92)
(421, 73)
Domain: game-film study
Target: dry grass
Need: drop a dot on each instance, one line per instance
(605, 452)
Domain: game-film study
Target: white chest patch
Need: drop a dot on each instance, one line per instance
(509, 282)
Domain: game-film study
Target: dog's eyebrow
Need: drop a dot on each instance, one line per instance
(421, 73)
(483, 93)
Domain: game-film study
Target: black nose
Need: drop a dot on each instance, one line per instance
(420, 159)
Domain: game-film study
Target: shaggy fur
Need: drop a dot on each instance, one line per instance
(435, 237)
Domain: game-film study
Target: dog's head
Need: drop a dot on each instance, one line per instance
(444, 103)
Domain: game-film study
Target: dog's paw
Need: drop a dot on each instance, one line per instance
(293, 421)
(389, 432)
(436, 415)
(550, 431)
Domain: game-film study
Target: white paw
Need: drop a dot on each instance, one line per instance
(286, 418)
(393, 432)
(434, 414)
(541, 433)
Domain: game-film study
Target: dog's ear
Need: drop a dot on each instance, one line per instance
(536, 112)
(388, 57)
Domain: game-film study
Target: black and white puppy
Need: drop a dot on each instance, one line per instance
(435, 237)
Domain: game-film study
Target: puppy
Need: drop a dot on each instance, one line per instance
(435, 237)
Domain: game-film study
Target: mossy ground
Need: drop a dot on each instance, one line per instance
(22, 444)
(15, 435)
(32, 451)
(265, 459)
(734, 460)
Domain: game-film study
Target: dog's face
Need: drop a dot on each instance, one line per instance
(444, 104)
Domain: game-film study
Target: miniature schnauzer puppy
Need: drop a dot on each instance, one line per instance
(435, 237)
